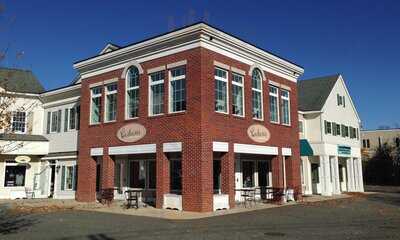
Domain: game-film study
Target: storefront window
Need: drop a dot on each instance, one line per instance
(175, 176)
(68, 178)
(248, 173)
(152, 174)
(314, 173)
(15, 176)
(263, 173)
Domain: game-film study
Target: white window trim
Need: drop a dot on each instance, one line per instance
(150, 105)
(91, 105)
(171, 79)
(288, 99)
(106, 93)
(277, 102)
(127, 88)
(262, 97)
(227, 89)
(242, 86)
(25, 122)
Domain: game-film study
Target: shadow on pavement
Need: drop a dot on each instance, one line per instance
(13, 224)
(386, 198)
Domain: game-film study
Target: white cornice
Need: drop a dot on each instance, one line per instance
(207, 37)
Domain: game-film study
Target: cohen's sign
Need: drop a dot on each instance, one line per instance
(22, 159)
(258, 133)
(131, 132)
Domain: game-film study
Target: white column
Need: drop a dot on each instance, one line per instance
(350, 175)
(360, 175)
(284, 171)
(325, 177)
(335, 175)
(356, 178)
(307, 176)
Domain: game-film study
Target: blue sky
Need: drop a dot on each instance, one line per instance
(359, 39)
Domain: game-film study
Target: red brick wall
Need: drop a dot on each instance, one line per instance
(197, 128)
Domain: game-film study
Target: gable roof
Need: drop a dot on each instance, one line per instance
(19, 80)
(312, 93)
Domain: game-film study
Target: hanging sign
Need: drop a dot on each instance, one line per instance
(258, 133)
(131, 132)
(22, 159)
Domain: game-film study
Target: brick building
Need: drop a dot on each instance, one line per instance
(190, 116)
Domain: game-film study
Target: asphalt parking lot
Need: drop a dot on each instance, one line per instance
(370, 217)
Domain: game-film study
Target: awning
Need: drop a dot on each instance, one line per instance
(305, 148)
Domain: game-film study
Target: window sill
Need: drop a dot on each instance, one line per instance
(131, 119)
(238, 117)
(258, 119)
(224, 113)
(276, 123)
(156, 115)
(109, 122)
(94, 124)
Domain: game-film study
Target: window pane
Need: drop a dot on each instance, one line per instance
(133, 77)
(217, 176)
(152, 174)
(54, 121)
(15, 176)
(178, 95)
(157, 93)
(69, 174)
(273, 104)
(221, 101)
(285, 111)
(96, 101)
(111, 107)
(257, 105)
(133, 103)
(72, 118)
(18, 122)
(256, 79)
(237, 101)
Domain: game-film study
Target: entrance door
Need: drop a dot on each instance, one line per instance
(53, 174)
(315, 177)
(98, 177)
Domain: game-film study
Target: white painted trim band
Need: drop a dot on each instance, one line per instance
(222, 65)
(61, 157)
(172, 147)
(96, 152)
(96, 84)
(255, 149)
(177, 64)
(112, 80)
(239, 71)
(286, 151)
(156, 69)
(132, 149)
(220, 146)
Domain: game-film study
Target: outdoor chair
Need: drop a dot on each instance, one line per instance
(107, 196)
(132, 199)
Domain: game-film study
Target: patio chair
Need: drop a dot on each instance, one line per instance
(107, 196)
(132, 199)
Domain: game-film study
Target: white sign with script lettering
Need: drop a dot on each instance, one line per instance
(131, 132)
(258, 133)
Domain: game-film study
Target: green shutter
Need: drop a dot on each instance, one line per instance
(59, 121)
(66, 120)
(74, 177)
(48, 122)
(63, 178)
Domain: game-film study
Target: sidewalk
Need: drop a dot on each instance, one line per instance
(29, 206)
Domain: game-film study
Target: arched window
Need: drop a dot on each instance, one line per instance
(256, 98)
(132, 92)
